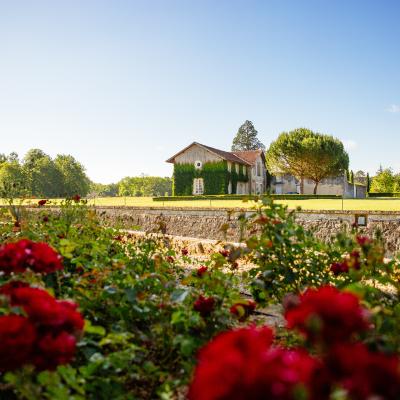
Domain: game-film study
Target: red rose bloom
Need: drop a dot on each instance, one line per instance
(224, 253)
(53, 350)
(12, 258)
(17, 338)
(363, 240)
(355, 259)
(340, 267)
(184, 252)
(240, 364)
(201, 271)
(76, 198)
(327, 315)
(44, 259)
(204, 305)
(243, 309)
(365, 374)
(9, 288)
(46, 311)
(39, 257)
(170, 259)
(41, 203)
(51, 327)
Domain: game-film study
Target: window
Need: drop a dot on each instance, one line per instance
(258, 169)
(229, 166)
(198, 186)
(237, 168)
(198, 164)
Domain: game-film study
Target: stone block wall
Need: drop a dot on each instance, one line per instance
(207, 223)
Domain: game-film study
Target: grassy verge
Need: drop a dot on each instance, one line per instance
(371, 204)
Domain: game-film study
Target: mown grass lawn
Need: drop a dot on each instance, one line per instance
(387, 204)
(384, 204)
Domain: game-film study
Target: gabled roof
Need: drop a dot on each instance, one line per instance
(250, 155)
(225, 155)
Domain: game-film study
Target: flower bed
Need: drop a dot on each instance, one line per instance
(88, 312)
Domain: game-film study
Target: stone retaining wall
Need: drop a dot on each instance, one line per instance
(207, 223)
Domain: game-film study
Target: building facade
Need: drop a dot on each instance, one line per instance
(202, 170)
(339, 186)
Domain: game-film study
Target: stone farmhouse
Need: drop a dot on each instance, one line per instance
(203, 170)
(200, 169)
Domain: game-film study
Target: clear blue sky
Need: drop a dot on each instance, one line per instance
(123, 85)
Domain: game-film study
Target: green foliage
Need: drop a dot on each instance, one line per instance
(351, 177)
(142, 332)
(383, 194)
(103, 190)
(40, 176)
(215, 174)
(43, 178)
(246, 138)
(138, 186)
(183, 179)
(216, 177)
(74, 179)
(305, 154)
(12, 180)
(385, 182)
(137, 295)
(248, 197)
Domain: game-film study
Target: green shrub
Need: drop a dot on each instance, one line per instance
(246, 197)
(395, 194)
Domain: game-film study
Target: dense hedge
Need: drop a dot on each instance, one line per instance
(395, 194)
(248, 197)
(215, 174)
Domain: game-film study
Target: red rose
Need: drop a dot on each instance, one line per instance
(243, 309)
(355, 259)
(73, 321)
(241, 364)
(42, 203)
(201, 271)
(339, 268)
(363, 240)
(51, 327)
(184, 252)
(170, 259)
(204, 305)
(9, 288)
(17, 337)
(12, 258)
(46, 311)
(37, 256)
(224, 253)
(76, 198)
(327, 315)
(365, 374)
(53, 350)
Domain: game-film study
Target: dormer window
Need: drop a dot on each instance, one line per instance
(198, 164)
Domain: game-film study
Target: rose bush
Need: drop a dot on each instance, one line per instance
(150, 308)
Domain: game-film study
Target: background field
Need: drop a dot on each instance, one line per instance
(382, 204)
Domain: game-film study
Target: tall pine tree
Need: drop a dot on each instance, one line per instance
(246, 138)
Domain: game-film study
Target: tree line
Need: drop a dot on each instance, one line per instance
(39, 175)
(136, 186)
(307, 154)
(300, 152)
